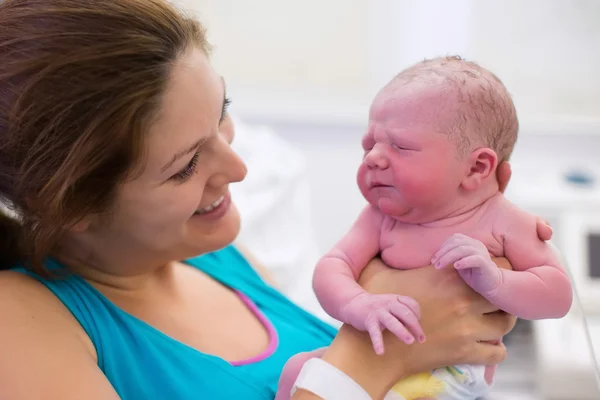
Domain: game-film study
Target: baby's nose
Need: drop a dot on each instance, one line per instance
(376, 158)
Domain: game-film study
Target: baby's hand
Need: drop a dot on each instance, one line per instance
(375, 312)
(472, 261)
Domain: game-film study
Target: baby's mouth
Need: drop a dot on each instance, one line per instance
(379, 185)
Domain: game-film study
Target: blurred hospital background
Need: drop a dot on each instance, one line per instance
(302, 74)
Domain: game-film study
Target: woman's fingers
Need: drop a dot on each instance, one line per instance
(478, 339)
(494, 326)
(474, 303)
(486, 354)
(543, 228)
(503, 174)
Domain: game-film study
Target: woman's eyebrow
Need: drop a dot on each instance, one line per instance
(198, 143)
(184, 152)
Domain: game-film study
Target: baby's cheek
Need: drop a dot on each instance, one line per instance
(417, 190)
(361, 179)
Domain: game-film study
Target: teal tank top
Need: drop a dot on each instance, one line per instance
(143, 363)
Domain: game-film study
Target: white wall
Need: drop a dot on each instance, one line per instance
(290, 57)
(546, 51)
(323, 61)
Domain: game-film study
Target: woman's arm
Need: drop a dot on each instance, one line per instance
(44, 353)
(458, 323)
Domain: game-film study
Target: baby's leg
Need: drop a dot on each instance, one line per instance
(290, 372)
(490, 371)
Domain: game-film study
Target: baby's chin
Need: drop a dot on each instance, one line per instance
(392, 207)
(404, 213)
(388, 202)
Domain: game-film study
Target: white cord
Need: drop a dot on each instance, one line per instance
(588, 336)
(586, 326)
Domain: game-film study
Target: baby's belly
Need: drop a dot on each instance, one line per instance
(409, 251)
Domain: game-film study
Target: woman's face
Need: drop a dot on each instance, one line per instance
(180, 205)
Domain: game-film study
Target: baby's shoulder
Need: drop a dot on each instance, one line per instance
(506, 215)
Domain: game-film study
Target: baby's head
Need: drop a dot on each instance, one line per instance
(436, 134)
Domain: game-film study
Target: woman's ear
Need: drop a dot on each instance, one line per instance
(80, 226)
(87, 223)
(481, 163)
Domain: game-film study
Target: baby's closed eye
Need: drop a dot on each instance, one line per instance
(398, 147)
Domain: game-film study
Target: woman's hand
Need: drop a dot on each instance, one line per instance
(459, 324)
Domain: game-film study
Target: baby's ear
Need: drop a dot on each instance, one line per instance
(481, 163)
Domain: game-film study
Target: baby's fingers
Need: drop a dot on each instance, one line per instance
(451, 243)
(393, 325)
(453, 256)
(410, 321)
(412, 304)
(469, 262)
(374, 329)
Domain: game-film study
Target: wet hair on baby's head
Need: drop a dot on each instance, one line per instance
(485, 113)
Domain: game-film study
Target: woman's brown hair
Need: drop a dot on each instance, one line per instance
(80, 80)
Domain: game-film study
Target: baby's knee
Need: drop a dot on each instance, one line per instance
(291, 370)
(295, 363)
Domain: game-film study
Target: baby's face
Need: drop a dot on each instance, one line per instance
(410, 169)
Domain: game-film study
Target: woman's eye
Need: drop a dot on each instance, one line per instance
(188, 171)
(226, 104)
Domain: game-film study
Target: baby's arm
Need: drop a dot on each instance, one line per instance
(336, 274)
(335, 284)
(538, 287)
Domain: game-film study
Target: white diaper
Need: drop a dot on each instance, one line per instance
(460, 382)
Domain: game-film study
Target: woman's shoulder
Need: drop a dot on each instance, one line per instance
(22, 291)
(45, 352)
(28, 305)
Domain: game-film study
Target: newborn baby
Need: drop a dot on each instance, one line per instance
(436, 134)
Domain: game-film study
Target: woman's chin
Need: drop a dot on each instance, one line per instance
(206, 239)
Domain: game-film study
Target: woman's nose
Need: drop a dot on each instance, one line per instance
(231, 167)
(376, 158)
(237, 169)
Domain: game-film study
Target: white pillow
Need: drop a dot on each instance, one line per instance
(274, 204)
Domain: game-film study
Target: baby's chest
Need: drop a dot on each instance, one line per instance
(409, 246)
